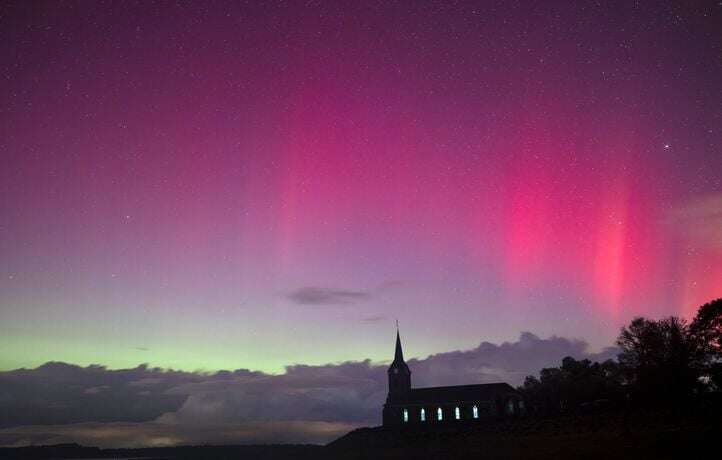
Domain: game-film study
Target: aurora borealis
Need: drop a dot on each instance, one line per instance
(218, 185)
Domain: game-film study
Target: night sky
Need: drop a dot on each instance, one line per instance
(223, 185)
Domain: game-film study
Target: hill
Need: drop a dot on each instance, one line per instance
(639, 435)
(658, 434)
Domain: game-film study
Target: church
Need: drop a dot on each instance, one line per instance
(462, 403)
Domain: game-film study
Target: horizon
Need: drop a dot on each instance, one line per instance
(410, 357)
(146, 406)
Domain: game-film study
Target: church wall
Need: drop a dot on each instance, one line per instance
(393, 414)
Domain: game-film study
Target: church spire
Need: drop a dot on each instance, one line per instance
(399, 354)
(399, 373)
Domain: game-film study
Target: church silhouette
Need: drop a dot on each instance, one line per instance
(461, 403)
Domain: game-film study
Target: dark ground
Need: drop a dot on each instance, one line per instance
(618, 435)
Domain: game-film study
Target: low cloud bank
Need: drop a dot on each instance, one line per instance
(144, 406)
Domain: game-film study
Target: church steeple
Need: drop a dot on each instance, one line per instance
(399, 373)
(399, 354)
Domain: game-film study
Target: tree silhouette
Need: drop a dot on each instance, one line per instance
(574, 383)
(705, 332)
(660, 360)
(657, 359)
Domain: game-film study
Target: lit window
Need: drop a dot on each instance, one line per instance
(423, 415)
(406, 415)
(439, 414)
(475, 410)
(510, 407)
(457, 413)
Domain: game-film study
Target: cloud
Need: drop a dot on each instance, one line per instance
(509, 362)
(373, 319)
(63, 393)
(144, 406)
(323, 296)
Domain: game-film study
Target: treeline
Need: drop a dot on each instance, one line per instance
(667, 361)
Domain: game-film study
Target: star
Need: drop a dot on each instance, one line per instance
(667, 146)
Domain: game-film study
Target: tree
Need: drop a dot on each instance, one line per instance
(661, 362)
(658, 360)
(574, 383)
(705, 332)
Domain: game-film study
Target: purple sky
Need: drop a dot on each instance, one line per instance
(245, 186)
(217, 185)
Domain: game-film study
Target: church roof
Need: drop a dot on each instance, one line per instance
(458, 393)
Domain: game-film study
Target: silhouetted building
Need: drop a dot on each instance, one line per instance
(406, 405)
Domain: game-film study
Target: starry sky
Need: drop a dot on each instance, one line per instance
(215, 185)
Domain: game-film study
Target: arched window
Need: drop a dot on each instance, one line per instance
(423, 414)
(457, 413)
(439, 414)
(475, 411)
(406, 415)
